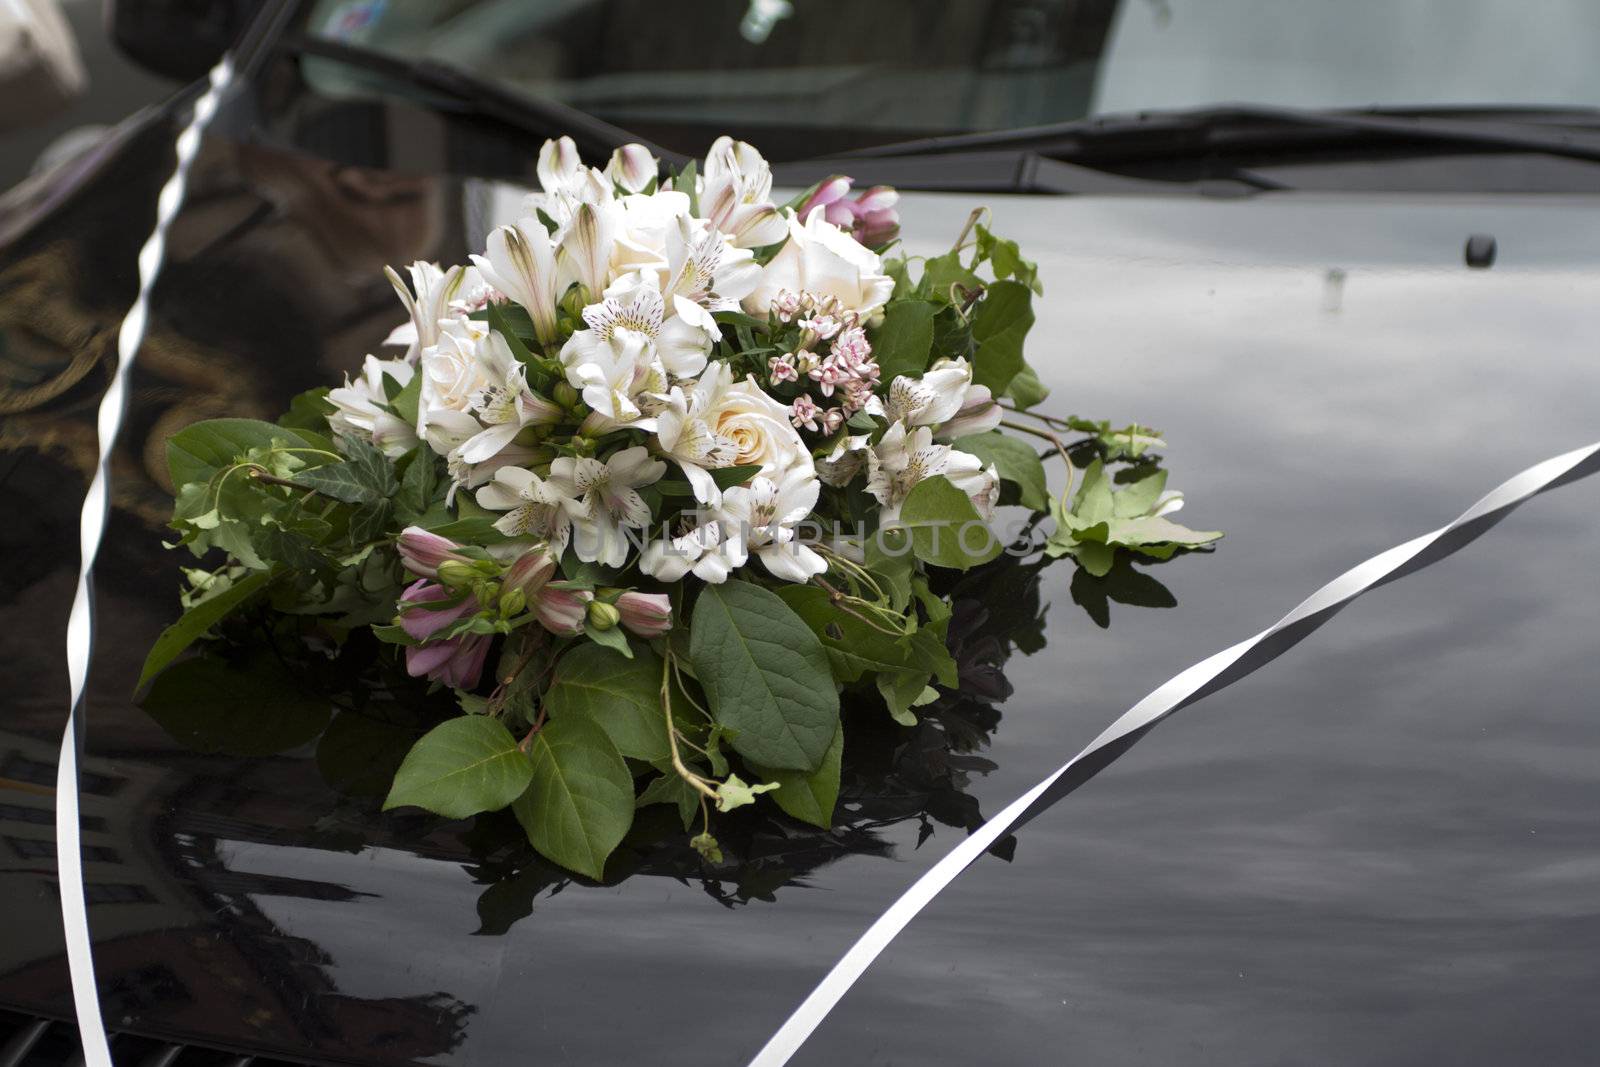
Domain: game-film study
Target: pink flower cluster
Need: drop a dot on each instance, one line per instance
(870, 218)
(847, 369)
(458, 661)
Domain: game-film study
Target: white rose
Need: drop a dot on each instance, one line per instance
(759, 429)
(822, 259)
(452, 370)
(721, 423)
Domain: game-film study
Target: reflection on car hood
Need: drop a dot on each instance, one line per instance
(1379, 849)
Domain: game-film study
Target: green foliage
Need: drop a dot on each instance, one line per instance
(999, 326)
(1102, 520)
(619, 695)
(810, 797)
(765, 675)
(1016, 462)
(946, 530)
(201, 617)
(579, 803)
(903, 342)
(460, 768)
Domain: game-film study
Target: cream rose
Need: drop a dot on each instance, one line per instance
(821, 258)
(758, 427)
(723, 423)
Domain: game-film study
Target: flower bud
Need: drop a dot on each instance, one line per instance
(422, 552)
(645, 614)
(562, 611)
(512, 601)
(632, 167)
(530, 572)
(457, 573)
(603, 616)
(566, 395)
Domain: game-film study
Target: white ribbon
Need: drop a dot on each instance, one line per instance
(80, 625)
(1204, 678)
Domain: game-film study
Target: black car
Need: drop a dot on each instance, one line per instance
(1352, 304)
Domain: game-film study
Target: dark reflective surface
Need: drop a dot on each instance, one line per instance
(1381, 849)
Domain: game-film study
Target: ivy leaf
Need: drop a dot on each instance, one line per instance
(1026, 390)
(734, 793)
(1103, 520)
(461, 767)
(621, 696)
(197, 452)
(579, 804)
(811, 797)
(308, 411)
(901, 692)
(192, 624)
(765, 675)
(1016, 461)
(1001, 322)
(946, 530)
(365, 477)
(902, 343)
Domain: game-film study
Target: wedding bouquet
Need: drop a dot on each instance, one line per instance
(658, 476)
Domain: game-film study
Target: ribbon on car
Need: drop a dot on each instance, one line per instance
(80, 624)
(1200, 680)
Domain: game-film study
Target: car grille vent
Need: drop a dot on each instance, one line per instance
(34, 1041)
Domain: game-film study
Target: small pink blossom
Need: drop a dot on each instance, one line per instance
(832, 419)
(782, 368)
(803, 413)
(422, 552)
(786, 305)
(645, 614)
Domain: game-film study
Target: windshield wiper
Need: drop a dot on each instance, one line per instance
(539, 116)
(1570, 133)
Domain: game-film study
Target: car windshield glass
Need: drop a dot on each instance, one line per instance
(808, 77)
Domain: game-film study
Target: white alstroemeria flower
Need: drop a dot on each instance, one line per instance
(642, 228)
(702, 547)
(357, 413)
(934, 398)
(604, 499)
(521, 263)
(707, 274)
(902, 459)
(824, 260)
(722, 423)
(473, 385)
(623, 363)
(435, 289)
(736, 195)
(767, 511)
(979, 413)
(535, 508)
(633, 167)
(560, 167)
(586, 243)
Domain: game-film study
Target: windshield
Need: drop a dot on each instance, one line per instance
(807, 77)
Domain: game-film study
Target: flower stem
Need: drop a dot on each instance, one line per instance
(694, 780)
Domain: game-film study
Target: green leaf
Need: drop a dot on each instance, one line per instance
(579, 804)
(621, 696)
(615, 639)
(903, 342)
(308, 411)
(765, 674)
(366, 477)
(197, 452)
(408, 399)
(811, 797)
(670, 788)
(901, 692)
(199, 703)
(946, 530)
(854, 648)
(1001, 322)
(1103, 520)
(1026, 389)
(1016, 461)
(197, 620)
(734, 793)
(460, 768)
(942, 272)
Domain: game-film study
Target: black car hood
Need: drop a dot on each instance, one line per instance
(1381, 849)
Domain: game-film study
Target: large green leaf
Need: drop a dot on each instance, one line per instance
(1016, 461)
(197, 452)
(197, 620)
(766, 676)
(366, 477)
(622, 696)
(946, 530)
(902, 343)
(253, 707)
(580, 802)
(810, 797)
(462, 767)
(999, 326)
(854, 647)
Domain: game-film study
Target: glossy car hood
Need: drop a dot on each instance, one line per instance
(1381, 849)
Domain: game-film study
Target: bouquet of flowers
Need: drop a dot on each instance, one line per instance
(659, 475)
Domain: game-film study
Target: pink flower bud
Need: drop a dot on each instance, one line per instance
(422, 552)
(645, 614)
(457, 662)
(530, 572)
(562, 611)
(978, 414)
(829, 192)
(632, 167)
(421, 622)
